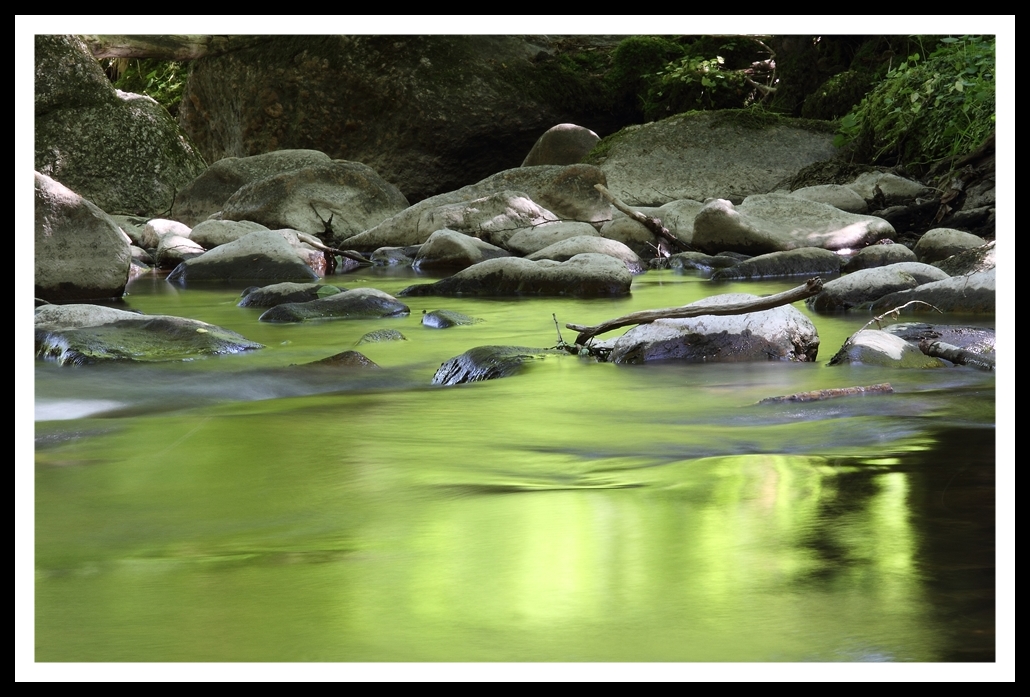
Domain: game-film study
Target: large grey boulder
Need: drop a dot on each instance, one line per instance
(837, 195)
(879, 255)
(862, 288)
(80, 253)
(429, 113)
(173, 249)
(563, 250)
(213, 233)
(207, 194)
(260, 256)
(532, 239)
(121, 151)
(876, 347)
(782, 333)
(972, 294)
(584, 275)
(940, 243)
(564, 144)
(494, 218)
(83, 334)
(447, 249)
(778, 222)
(701, 155)
(567, 192)
(357, 303)
(808, 261)
(349, 196)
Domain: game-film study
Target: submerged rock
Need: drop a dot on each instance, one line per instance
(357, 303)
(381, 335)
(83, 334)
(346, 359)
(485, 363)
(444, 319)
(280, 293)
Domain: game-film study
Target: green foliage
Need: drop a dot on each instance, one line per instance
(635, 62)
(927, 110)
(696, 81)
(164, 81)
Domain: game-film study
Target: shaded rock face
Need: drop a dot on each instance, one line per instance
(875, 347)
(564, 144)
(493, 218)
(357, 303)
(808, 261)
(429, 113)
(280, 293)
(83, 334)
(350, 196)
(976, 339)
(702, 155)
(485, 363)
(81, 253)
(206, 194)
(970, 261)
(585, 275)
(973, 294)
(779, 222)
(122, 151)
(783, 333)
(566, 192)
(701, 262)
(940, 243)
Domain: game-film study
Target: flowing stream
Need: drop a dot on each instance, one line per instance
(243, 508)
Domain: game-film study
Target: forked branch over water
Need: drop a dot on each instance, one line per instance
(810, 288)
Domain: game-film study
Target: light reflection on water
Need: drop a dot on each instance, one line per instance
(243, 510)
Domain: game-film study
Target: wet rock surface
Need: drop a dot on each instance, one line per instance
(84, 334)
(486, 363)
(357, 303)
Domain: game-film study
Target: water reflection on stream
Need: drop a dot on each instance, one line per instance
(240, 509)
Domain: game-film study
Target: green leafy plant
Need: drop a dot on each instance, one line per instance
(927, 109)
(164, 81)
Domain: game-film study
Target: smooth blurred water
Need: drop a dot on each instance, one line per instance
(247, 509)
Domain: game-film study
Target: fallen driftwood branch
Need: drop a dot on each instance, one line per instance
(832, 393)
(959, 356)
(810, 288)
(652, 224)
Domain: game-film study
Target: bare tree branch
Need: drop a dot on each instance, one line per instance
(810, 288)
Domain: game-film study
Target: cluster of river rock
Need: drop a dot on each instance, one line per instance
(278, 223)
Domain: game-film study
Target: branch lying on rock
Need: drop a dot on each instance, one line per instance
(832, 393)
(955, 354)
(652, 224)
(810, 288)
